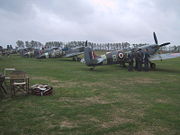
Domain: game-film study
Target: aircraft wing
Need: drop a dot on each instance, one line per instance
(101, 59)
(73, 54)
(165, 56)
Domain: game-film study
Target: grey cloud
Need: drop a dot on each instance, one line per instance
(64, 20)
(15, 6)
(71, 10)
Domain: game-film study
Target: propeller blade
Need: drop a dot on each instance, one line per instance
(86, 43)
(164, 44)
(155, 38)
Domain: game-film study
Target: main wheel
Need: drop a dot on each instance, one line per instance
(92, 68)
(153, 66)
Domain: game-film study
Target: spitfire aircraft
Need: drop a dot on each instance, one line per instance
(65, 52)
(121, 57)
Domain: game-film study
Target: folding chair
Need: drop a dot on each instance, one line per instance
(19, 82)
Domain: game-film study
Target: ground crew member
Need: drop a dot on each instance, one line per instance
(139, 60)
(136, 60)
(146, 60)
(130, 61)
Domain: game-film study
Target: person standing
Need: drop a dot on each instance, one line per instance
(146, 60)
(139, 60)
(136, 60)
(130, 61)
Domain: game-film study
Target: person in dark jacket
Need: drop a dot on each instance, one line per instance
(146, 60)
(139, 60)
(136, 60)
(130, 61)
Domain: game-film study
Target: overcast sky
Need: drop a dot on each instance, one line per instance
(94, 20)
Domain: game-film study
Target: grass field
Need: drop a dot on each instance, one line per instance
(107, 101)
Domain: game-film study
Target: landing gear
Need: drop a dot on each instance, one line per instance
(92, 68)
(76, 58)
(152, 66)
(122, 64)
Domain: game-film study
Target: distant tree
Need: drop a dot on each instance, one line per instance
(10, 47)
(32, 44)
(178, 48)
(29, 44)
(20, 44)
(39, 45)
(175, 49)
(1, 48)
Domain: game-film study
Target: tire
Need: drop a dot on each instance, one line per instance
(153, 66)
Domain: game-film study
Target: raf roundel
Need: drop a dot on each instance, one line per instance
(121, 55)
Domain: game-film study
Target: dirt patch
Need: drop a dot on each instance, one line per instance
(46, 78)
(40, 78)
(94, 84)
(163, 101)
(94, 119)
(116, 121)
(143, 133)
(132, 98)
(139, 80)
(97, 100)
(67, 124)
(57, 83)
(85, 101)
(67, 84)
(50, 126)
(144, 80)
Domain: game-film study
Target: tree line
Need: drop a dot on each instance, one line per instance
(95, 46)
(60, 44)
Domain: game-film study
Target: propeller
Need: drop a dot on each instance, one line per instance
(158, 46)
(156, 41)
(155, 38)
(86, 43)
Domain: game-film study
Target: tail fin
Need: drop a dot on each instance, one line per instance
(89, 57)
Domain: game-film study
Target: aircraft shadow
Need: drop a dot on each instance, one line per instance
(67, 60)
(94, 70)
(168, 70)
(100, 69)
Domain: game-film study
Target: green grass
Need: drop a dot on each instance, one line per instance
(109, 100)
